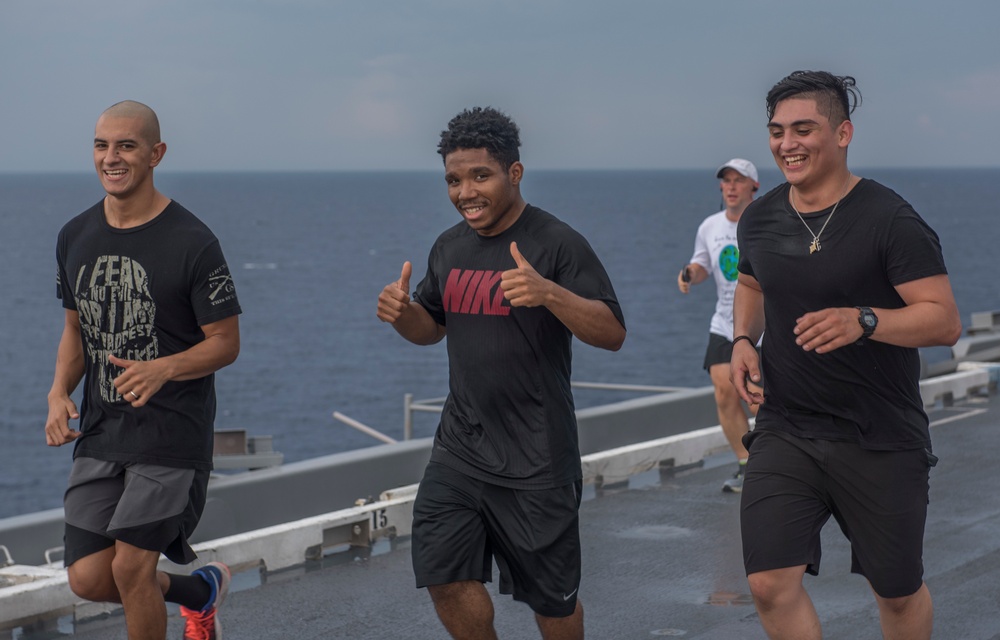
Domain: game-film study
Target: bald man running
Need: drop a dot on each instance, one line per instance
(151, 314)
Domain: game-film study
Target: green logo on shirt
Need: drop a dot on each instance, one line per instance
(729, 257)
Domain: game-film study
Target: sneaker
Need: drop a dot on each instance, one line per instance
(203, 625)
(734, 484)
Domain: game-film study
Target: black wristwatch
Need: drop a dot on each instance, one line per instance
(868, 321)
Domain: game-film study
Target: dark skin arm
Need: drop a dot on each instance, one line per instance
(408, 318)
(591, 321)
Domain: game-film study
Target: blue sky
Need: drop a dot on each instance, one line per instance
(293, 85)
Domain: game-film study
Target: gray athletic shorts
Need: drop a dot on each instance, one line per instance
(148, 506)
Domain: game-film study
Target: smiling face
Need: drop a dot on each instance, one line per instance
(124, 156)
(487, 196)
(807, 147)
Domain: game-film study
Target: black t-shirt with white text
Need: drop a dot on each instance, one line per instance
(509, 418)
(143, 293)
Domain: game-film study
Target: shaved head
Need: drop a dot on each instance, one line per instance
(131, 109)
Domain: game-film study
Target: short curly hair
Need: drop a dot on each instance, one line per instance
(836, 96)
(483, 128)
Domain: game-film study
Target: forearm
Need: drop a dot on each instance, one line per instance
(924, 324)
(929, 318)
(416, 325)
(748, 309)
(697, 273)
(205, 358)
(591, 321)
(220, 348)
(69, 363)
(691, 274)
(748, 320)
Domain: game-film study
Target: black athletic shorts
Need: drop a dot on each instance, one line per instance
(719, 351)
(147, 506)
(879, 498)
(460, 524)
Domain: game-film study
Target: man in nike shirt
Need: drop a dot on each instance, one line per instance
(510, 286)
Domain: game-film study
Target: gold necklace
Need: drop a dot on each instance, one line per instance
(815, 246)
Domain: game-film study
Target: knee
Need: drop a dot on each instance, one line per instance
(772, 589)
(92, 586)
(895, 606)
(762, 587)
(459, 595)
(464, 605)
(904, 604)
(127, 574)
(726, 396)
(442, 594)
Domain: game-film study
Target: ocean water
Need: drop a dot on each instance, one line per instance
(310, 253)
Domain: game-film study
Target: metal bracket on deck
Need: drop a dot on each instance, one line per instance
(948, 388)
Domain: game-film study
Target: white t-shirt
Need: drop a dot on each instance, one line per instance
(715, 249)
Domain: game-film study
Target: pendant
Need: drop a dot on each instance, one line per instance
(815, 246)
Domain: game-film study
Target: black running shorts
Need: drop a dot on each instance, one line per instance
(460, 524)
(147, 506)
(879, 498)
(719, 351)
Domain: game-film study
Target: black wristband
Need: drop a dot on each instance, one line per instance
(747, 338)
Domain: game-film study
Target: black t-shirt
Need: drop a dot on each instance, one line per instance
(143, 293)
(867, 393)
(509, 418)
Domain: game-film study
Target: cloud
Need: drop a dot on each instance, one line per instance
(375, 105)
(978, 92)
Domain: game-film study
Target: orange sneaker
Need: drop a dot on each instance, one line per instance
(203, 624)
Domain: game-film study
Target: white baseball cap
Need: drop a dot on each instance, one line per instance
(741, 166)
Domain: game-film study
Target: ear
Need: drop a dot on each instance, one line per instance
(845, 132)
(515, 173)
(159, 150)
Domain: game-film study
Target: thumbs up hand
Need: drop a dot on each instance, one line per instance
(521, 261)
(404, 278)
(395, 297)
(523, 286)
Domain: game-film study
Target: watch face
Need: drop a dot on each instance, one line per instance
(869, 320)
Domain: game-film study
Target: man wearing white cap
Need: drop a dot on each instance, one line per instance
(716, 254)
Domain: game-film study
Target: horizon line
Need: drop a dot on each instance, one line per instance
(540, 169)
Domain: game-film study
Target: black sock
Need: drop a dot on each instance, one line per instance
(192, 592)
